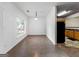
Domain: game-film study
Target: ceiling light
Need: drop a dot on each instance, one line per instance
(63, 13)
(36, 16)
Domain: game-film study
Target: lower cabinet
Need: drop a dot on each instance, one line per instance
(72, 33)
(66, 32)
(76, 35)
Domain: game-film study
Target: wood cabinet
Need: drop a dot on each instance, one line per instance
(72, 33)
(69, 33)
(66, 32)
(76, 36)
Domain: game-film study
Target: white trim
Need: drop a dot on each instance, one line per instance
(19, 40)
(54, 43)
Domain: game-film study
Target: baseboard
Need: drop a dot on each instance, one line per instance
(19, 40)
(36, 35)
(53, 42)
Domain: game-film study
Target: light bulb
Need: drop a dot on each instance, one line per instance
(35, 18)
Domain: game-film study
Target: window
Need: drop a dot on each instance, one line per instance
(20, 26)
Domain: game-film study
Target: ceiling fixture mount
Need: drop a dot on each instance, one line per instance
(63, 13)
(36, 16)
(28, 11)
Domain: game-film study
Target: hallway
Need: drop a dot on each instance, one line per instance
(36, 46)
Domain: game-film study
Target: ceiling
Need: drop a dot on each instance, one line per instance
(43, 8)
(73, 6)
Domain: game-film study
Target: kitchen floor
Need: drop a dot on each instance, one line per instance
(39, 46)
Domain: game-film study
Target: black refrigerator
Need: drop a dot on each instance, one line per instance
(60, 32)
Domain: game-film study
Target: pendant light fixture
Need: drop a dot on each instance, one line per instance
(36, 16)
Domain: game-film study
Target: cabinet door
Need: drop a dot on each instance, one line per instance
(67, 33)
(76, 35)
(71, 34)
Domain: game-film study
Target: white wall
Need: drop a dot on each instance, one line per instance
(51, 25)
(74, 15)
(1, 29)
(72, 20)
(37, 27)
(8, 26)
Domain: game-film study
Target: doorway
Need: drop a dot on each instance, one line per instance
(60, 32)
